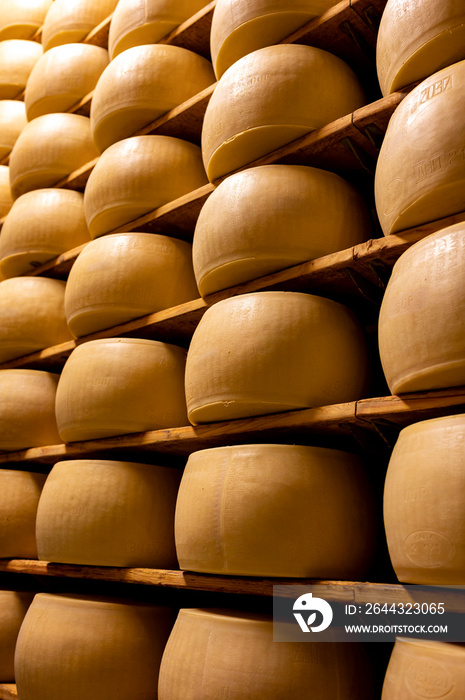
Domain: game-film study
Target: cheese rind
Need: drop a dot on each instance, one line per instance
(140, 85)
(137, 175)
(122, 276)
(271, 97)
(421, 323)
(48, 149)
(62, 77)
(12, 122)
(41, 225)
(252, 510)
(268, 352)
(6, 200)
(68, 23)
(265, 219)
(17, 59)
(19, 498)
(13, 607)
(120, 386)
(22, 18)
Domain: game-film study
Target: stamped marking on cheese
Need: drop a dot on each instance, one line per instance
(427, 167)
(429, 548)
(435, 89)
(428, 679)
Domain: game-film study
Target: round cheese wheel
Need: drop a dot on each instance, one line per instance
(138, 22)
(268, 352)
(423, 505)
(275, 510)
(27, 409)
(70, 22)
(417, 38)
(271, 97)
(32, 315)
(242, 26)
(6, 200)
(17, 59)
(231, 654)
(126, 275)
(141, 84)
(425, 669)
(19, 498)
(20, 19)
(268, 218)
(48, 149)
(13, 607)
(119, 386)
(12, 122)
(41, 225)
(75, 647)
(420, 173)
(108, 513)
(137, 175)
(62, 77)
(421, 325)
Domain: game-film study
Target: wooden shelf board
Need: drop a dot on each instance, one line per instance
(99, 35)
(77, 180)
(83, 106)
(58, 267)
(8, 691)
(194, 33)
(370, 11)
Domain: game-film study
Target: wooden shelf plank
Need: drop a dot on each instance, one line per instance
(83, 106)
(194, 34)
(8, 691)
(99, 35)
(370, 11)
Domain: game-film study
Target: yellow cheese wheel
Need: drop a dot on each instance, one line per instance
(141, 84)
(275, 510)
(17, 59)
(41, 225)
(421, 669)
(13, 607)
(421, 321)
(69, 22)
(137, 22)
(241, 26)
(423, 504)
(20, 19)
(118, 386)
(231, 654)
(19, 498)
(126, 275)
(271, 97)
(417, 38)
(76, 647)
(27, 409)
(268, 352)
(268, 218)
(137, 175)
(12, 122)
(420, 173)
(6, 200)
(48, 149)
(62, 77)
(108, 513)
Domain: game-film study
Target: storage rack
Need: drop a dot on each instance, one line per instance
(348, 146)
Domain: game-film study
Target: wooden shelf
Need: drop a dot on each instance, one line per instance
(8, 691)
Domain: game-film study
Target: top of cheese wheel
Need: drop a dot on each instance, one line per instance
(68, 22)
(20, 19)
(17, 59)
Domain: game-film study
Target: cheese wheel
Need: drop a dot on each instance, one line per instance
(70, 22)
(13, 607)
(32, 315)
(425, 669)
(137, 175)
(117, 386)
(268, 352)
(140, 85)
(416, 38)
(275, 510)
(12, 122)
(423, 504)
(62, 77)
(271, 97)
(240, 26)
(421, 323)
(6, 200)
(420, 173)
(19, 498)
(268, 218)
(17, 59)
(20, 19)
(48, 149)
(126, 275)
(41, 225)
(138, 22)
(231, 654)
(108, 513)
(27, 415)
(75, 647)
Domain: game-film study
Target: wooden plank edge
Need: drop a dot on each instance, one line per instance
(8, 691)
(405, 409)
(182, 34)
(99, 35)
